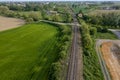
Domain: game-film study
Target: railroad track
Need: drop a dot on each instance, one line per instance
(73, 58)
(73, 66)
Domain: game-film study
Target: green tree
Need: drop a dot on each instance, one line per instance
(29, 20)
(93, 31)
(4, 9)
(35, 16)
(54, 71)
(87, 41)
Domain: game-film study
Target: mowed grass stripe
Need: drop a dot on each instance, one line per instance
(27, 52)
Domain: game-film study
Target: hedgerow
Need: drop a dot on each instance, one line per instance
(58, 69)
(91, 66)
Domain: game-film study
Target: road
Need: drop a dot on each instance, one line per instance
(75, 60)
(101, 60)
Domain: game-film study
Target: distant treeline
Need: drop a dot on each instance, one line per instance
(30, 6)
(108, 20)
(36, 11)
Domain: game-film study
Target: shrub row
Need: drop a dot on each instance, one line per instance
(91, 66)
(58, 69)
(110, 19)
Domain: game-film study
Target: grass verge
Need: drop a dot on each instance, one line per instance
(107, 35)
(91, 65)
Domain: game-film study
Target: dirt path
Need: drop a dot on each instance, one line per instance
(110, 53)
(9, 23)
(101, 60)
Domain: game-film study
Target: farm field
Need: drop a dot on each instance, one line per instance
(110, 52)
(27, 13)
(8, 23)
(95, 12)
(27, 52)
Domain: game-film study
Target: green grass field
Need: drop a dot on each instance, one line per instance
(28, 13)
(108, 35)
(27, 52)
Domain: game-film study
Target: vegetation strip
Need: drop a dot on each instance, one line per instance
(99, 25)
(90, 58)
(59, 67)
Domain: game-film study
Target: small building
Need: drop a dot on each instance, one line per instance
(80, 15)
(52, 12)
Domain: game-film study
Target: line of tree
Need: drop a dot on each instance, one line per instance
(58, 69)
(15, 10)
(32, 16)
(91, 66)
(30, 6)
(110, 19)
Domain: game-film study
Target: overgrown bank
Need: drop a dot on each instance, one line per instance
(58, 70)
(95, 26)
(91, 66)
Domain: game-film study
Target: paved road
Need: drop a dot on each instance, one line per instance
(75, 61)
(101, 60)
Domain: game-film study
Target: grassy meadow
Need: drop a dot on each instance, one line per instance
(27, 52)
(100, 12)
(107, 35)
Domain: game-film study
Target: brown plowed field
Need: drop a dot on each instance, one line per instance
(111, 54)
(9, 23)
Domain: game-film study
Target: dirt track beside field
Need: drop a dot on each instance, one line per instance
(111, 54)
(9, 23)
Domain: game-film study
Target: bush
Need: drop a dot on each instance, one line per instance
(104, 30)
(57, 68)
(65, 38)
(54, 71)
(29, 20)
(35, 16)
(4, 9)
(62, 54)
(91, 66)
(99, 28)
(87, 41)
(10, 14)
(93, 31)
(84, 29)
